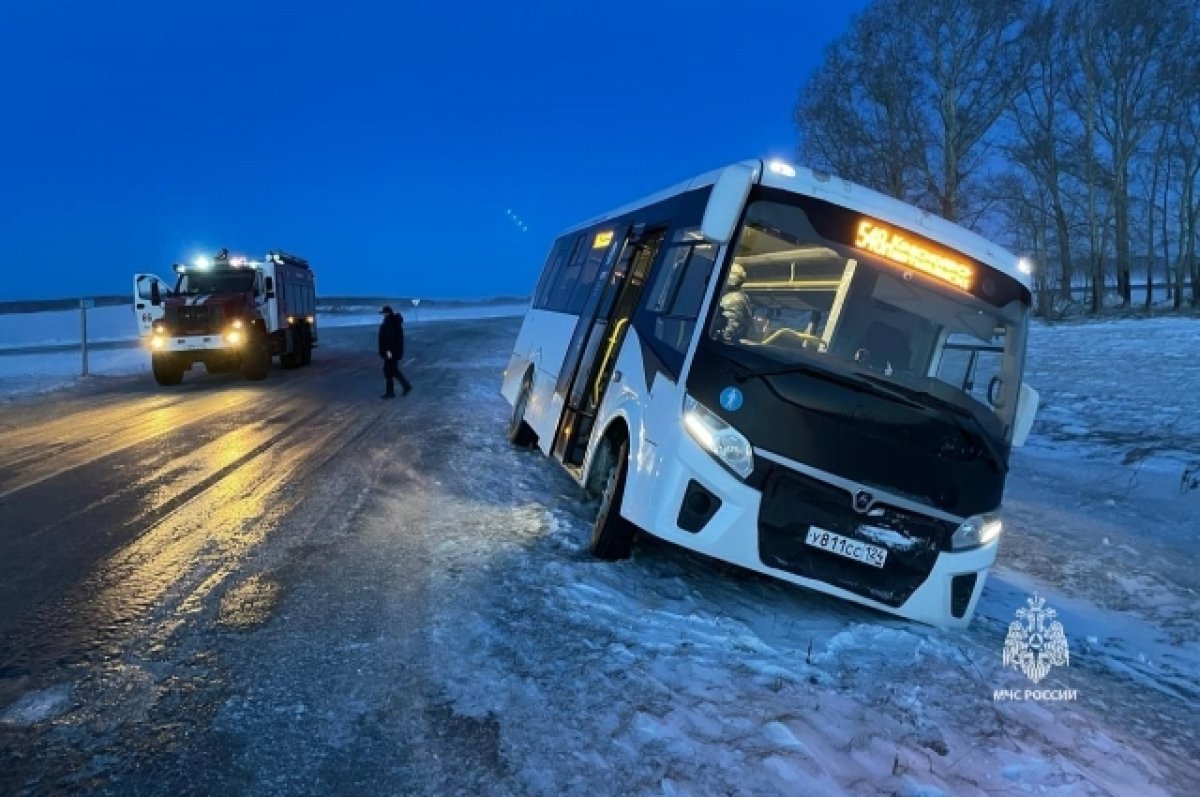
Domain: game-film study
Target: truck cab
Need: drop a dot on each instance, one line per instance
(229, 313)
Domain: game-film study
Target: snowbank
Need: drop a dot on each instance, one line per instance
(62, 327)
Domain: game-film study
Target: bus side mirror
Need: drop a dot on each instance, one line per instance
(1027, 407)
(269, 284)
(725, 203)
(155, 294)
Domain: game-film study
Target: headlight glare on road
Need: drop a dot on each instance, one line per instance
(977, 530)
(717, 437)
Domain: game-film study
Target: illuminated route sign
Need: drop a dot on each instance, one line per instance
(603, 239)
(894, 246)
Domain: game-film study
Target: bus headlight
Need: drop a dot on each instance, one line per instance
(717, 437)
(237, 323)
(977, 530)
(233, 338)
(158, 341)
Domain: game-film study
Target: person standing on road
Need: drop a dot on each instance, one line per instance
(391, 349)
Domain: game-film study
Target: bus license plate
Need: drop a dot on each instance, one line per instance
(871, 555)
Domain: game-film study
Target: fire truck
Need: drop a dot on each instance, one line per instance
(231, 313)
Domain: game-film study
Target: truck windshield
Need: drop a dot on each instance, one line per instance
(795, 297)
(195, 283)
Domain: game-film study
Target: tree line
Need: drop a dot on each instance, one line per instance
(1068, 130)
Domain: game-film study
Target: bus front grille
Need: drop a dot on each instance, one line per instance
(793, 503)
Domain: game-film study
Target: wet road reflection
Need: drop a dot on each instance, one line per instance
(146, 533)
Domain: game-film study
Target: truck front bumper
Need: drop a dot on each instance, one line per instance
(193, 343)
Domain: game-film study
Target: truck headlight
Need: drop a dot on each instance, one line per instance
(718, 438)
(977, 530)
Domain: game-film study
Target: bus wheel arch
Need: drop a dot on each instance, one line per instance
(520, 433)
(612, 535)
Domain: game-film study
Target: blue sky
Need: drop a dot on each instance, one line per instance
(383, 140)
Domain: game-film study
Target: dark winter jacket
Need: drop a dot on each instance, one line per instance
(391, 336)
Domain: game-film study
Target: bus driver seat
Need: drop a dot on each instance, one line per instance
(884, 348)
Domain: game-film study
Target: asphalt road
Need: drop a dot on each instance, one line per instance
(147, 533)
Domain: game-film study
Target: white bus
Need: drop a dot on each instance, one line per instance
(788, 372)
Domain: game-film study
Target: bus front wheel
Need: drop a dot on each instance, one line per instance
(612, 535)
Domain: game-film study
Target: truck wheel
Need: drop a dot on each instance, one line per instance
(257, 360)
(612, 535)
(306, 347)
(167, 370)
(520, 433)
(291, 359)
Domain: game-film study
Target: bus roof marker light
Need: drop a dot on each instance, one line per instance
(1024, 265)
(779, 167)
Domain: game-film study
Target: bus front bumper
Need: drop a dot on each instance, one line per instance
(925, 581)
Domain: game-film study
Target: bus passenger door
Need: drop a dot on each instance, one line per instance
(597, 340)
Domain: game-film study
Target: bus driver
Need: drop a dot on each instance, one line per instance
(736, 307)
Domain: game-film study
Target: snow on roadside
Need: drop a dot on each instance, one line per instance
(425, 315)
(25, 372)
(112, 324)
(63, 327)
(673, 674)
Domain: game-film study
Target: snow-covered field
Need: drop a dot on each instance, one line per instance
(24, 370)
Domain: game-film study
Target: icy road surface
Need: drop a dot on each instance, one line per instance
(293, 587)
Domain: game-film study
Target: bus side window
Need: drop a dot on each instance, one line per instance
(566, 279)
(551, 272)
(675, 299)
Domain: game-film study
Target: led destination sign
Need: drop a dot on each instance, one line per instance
(892, 245)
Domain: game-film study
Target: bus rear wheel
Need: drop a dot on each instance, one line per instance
(612, 535)
(520, 433)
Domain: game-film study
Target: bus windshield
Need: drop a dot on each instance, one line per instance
(794, 297)
(194, 283)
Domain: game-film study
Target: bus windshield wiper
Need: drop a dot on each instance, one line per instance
(975, 429)
(846, 380)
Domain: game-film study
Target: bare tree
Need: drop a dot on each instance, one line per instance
(1133, 40)
(1060, 122)
(856, 115)
(972, 59)
(1042, 125)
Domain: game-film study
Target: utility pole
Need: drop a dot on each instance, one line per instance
(84, 304)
